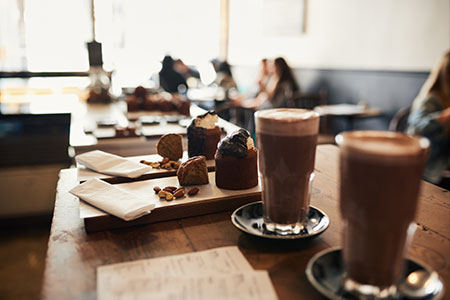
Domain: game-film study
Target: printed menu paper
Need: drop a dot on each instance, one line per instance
(221, 273)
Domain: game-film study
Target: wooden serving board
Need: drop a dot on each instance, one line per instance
(86, 174)
(209, 199)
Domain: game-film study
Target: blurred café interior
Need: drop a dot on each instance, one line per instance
(115, 75)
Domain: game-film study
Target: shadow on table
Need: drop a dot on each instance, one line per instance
(249, 242)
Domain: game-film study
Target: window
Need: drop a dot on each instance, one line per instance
(51, 35)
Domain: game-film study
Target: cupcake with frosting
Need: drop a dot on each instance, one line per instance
(203, 135)
(236, 162)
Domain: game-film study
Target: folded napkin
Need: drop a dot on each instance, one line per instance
(112, 199)
(111, 164)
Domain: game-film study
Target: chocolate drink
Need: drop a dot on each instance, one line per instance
(288, 164)
(380, 181)
(287, 140)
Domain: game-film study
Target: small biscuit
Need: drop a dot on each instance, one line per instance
(171, 146)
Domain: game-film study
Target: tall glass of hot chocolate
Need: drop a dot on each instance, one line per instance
(287, 140)
(380, 178)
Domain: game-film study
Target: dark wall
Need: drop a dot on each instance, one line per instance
(386, 90)
(31, 139)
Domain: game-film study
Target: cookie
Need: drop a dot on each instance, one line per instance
(171, 146)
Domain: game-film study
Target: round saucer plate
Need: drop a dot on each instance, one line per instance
(325, 272)
(249, 219)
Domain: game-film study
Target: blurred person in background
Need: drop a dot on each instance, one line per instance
(430, 117)
(215, 62)
(224, 78)
(279, 89)
(169, 79)
(264, 75)
(227, 86)
(185, 70)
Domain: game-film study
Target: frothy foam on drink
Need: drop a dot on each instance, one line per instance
(383, 146)
(287, 122)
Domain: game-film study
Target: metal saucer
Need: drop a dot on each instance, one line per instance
(249, 219)
(325, 272)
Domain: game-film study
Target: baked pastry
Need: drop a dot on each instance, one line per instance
(166, 105)
(236, 162)
(140, 92)
(128, 131)
(193, 171)
(171, 146)
(136, 100)
(142, 99)
(203, 135)
(99, 95)
(133, 103)
(182, 104)
(150, 104)
(184, 107)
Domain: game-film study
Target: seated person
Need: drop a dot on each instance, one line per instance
(224, 80)
(279, 89)
(224, 77)
(264, 75)
(169, 79)
(430, 117)
(185, 70)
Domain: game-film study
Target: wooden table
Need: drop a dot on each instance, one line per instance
(73, 255)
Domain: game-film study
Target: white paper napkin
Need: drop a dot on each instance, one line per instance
(111, 164)
(112, 199)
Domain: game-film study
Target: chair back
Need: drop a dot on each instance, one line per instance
(308, 100)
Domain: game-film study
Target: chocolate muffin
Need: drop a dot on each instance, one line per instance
(193, 171)
(203, 135)
(236, 162)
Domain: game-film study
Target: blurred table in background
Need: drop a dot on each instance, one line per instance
(208, 97)
(348, 112)
(90, 114)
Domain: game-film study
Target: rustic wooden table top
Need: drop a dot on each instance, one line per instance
(73, 255)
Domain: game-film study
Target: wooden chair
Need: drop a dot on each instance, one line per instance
(308, 100)
(243, 117)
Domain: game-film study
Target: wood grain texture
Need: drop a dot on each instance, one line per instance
(73, 255)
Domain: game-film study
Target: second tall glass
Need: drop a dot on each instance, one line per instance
(380, 178)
